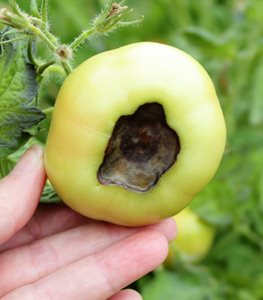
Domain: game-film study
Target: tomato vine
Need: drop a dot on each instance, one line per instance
(19, 40)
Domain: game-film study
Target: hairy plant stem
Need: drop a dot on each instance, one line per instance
(44, 15)
(37, 24)
(42, 35)
(34, 9)
(67, 66)
(43, 67)
(46, 37)
(30, 52)
(13, 40)
(15, 7)
(82, 37)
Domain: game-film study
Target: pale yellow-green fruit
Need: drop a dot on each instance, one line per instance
(194, 239)
(114, 84)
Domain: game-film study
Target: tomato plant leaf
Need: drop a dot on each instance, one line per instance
(184, 285)
(7, 163)
(223, 45)
(18, 89)
(49, 195)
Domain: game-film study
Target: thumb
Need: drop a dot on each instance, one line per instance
(20, 192)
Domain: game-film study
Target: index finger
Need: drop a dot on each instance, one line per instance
(20, 192)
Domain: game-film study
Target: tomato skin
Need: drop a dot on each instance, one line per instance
(116, 83)
(194, 239)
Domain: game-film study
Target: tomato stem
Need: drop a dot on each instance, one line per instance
(112, 17)
(12, 40)
(15, 7)
(34, 9)
(67, 66)
(43, 67)
(44, 11)
(42, 35)
(81, 38)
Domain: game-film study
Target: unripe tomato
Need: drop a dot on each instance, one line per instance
(194, 239)
(136, 133)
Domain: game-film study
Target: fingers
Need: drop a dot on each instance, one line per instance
(20, 192)
(102, 274)
(48, 219)
(126, 294)
(30, 263)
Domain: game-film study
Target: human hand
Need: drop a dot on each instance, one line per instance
(51, 252)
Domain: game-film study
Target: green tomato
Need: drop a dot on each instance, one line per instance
(136, 133)
(194, 239)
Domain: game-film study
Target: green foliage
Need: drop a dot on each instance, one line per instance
(226, 36)
(18, 89)
(30, 57)
(185, 284)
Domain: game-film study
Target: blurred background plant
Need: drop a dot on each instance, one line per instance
(226, 37)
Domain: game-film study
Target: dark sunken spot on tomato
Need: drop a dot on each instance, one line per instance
(142, 148)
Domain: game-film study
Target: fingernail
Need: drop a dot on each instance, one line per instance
(29, 160)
